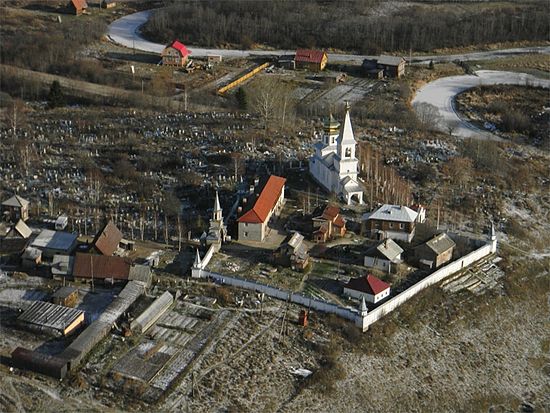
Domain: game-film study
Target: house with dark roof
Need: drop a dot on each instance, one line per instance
(369, 287)
(315, 60)
(330, 224)
(77, 7)
(391, 221)
(293, 252)
(175, 54)
(435, 252)
(390, 66)
(253, 224)
(383, 255)
(107, 240)
(15, 208)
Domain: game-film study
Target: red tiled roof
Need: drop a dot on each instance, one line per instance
(331, 212)
(106, 241)
(79, 4)
(368, 284)
(117, 268)
(265, 202)
(309, 56)
(176, 44)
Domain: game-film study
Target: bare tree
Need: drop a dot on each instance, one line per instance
(271, 99)
(428, 115)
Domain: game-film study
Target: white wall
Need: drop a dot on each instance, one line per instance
(434, 278)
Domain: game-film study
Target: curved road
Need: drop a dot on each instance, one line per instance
(125, 31)
(441, 94)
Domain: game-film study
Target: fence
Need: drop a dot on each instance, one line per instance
(296, 298)
(241, 79)
(361, 321)
(434, 278)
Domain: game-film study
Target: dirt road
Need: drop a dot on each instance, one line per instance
(441, 94)
(125, 31)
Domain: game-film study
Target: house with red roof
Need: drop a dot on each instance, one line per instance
(175, 54)
(369, 287)
(77, 7)
(328, 225)
(253, 224)
(315, 60)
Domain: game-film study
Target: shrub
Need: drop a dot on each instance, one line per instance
(515, 121)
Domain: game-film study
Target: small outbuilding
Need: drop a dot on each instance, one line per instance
(77, 7)
(293, 252)
(15, 208)
(369, 287)
(67, 296)
(107, 4)
(383, 255)
(48, 365)
(435, 252)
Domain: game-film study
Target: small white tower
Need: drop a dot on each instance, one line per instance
(217, 214)
(363, 310)
(197, 263)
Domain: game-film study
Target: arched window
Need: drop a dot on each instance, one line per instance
(348, 152)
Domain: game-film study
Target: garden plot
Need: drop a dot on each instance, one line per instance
(351, 91)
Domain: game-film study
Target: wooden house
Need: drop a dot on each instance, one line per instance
(175, 54)
(15, 208)
(77, 7)
(314, 60)
(389, 66)
(435, 252)
(293, 253)
(328, 225)
(391, 221)
(66, 296)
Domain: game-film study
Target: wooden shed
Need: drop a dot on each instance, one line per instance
(67, 296)
(77, 7)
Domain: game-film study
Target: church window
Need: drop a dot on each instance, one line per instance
(348, 152)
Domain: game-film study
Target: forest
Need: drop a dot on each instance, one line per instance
(362, 26)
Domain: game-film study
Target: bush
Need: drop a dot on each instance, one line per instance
(515, 121)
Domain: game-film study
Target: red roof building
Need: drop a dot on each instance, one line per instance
(101, 267)
(315, 60)
(77, 7)
(373, 289)
(252, 224)
(175, 54)
(328, 225)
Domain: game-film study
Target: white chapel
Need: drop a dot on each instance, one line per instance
(334, 164)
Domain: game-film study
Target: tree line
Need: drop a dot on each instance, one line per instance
(345, 25)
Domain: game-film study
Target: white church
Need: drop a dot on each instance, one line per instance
(334, 164)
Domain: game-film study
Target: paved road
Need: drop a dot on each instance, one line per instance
(441, 93)
(125, 31)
